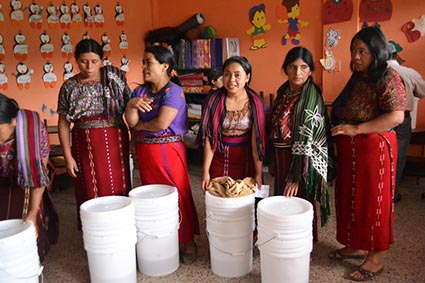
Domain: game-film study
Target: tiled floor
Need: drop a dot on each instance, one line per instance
(404, 262)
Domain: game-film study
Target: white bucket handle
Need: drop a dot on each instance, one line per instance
(226, 252)
(38, 274)
(266, 241)
(161, 236)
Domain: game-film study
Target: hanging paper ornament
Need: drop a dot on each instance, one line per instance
(414, 29)
(1, 16)
(67, 73)
(3, 77)
(119, 15)
(88, 17)
(49, 78)
(20, 49)
(124, 64)
(2, 50)
(99, 19)
(35, 18)
(23, 77)
(65, 17)
(17, 13)
(76, 18)
(66, 46)
(332, 37)
(52, 16)
(329, 61)
(106, 61)
(46, 48)
(106, 45)
(123, 45)
(86, 35)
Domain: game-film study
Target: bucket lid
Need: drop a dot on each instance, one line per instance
(105, 204)
(14, 229)
(152, 191)
(285, 207)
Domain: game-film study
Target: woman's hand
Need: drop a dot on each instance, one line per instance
(32, 217)
(205, 180)
(71, 167)
(291, 190)
(345, 129)
(141, 104)
(259, 180)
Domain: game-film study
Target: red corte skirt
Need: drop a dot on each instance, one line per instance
(166, 164)
(365, 189)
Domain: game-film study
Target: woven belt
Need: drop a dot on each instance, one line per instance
(159, 140)
(281, 145)
(96, 124)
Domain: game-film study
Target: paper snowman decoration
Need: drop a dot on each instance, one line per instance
(53, 17)
(65, 17)
(46, 48)
(17, 13)
(66, 46)
(2, 50)
(3, 77)
(119, 15)
(67, 73)
(106, 45)
(35, 18)
(99, 19)
(49, 78)
(76, 18)
(23, 77)
(20, 49)
(88, 17)
(123, 45)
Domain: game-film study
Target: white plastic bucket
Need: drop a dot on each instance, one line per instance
(157, 221)
(19, 260)
(230, 225)
(109, 234)
(285, 239)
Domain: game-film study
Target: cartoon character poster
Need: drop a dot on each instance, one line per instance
(257, 17)
(288, 13)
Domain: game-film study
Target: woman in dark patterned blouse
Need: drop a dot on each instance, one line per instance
(364, 114)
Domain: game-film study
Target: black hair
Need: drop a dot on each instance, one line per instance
(8, 109)
(298, 52)
(214, 74)
(377, 44)
(246, 66)
(163, 56)
(88, 46)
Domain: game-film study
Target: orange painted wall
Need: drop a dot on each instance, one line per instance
(230, 19)
(33, 98)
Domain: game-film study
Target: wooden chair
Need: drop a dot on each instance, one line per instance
(415, 165)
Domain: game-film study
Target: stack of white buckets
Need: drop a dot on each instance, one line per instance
(230, 226)
(285, 239)
(109, 234)
(157, 221)
(19, 261)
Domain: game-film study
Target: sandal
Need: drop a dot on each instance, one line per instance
(338, 255)
(189, 253)
(366, 274)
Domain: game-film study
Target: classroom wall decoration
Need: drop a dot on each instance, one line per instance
(50, 30)
(414, 29)
(257, 17)
(288, 13)
(336, 11)
(375, 10)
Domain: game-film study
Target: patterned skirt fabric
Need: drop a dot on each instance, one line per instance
(236, 159)
(102, 156)
(365, 189)
(165, 163)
